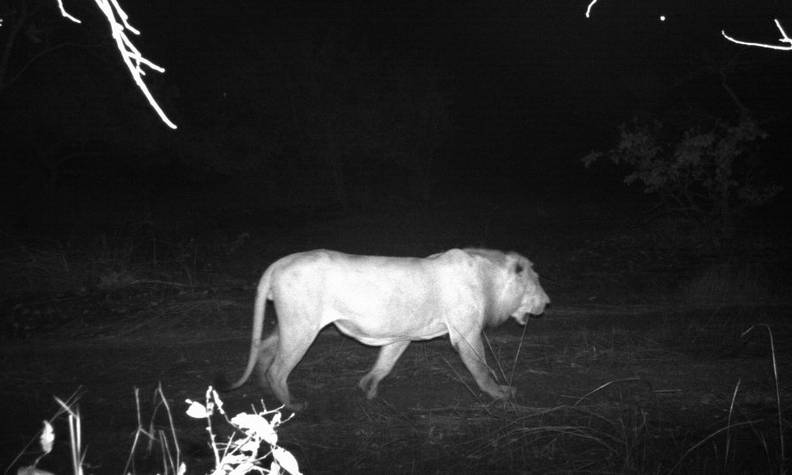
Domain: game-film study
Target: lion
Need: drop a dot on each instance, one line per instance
(389, 302)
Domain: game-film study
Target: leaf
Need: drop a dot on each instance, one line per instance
(244, 468)
(276, 419)
(32, 470)
(286, 460)
(47, 437)
(234, 459)
(590, 158)
(197, 410)
(258, 425)
(251, 446)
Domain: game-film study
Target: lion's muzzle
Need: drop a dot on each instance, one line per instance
(532, 306)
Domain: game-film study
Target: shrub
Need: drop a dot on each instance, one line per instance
(710, 171)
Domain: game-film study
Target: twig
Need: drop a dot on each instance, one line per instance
(460, 378)
(728, 424)
(137, 432)
(785, 40)
(705, 439)
(519, 347)
(610, 383)
(160, 282)
(497, 360)
(172, 426)
(777, 386)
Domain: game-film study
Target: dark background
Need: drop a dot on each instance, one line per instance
(129, 252)
(333, 107)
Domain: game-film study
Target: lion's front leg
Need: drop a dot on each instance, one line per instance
(471, 350)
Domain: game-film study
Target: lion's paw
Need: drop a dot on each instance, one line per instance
(297, 406)
(504, 392)
(369, 386)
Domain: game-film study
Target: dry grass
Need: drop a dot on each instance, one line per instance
(598, 395)
(64, 267)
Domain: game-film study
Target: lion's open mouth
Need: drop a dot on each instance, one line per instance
(524, 316)
(536, 312)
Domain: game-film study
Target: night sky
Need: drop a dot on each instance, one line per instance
(448, 95)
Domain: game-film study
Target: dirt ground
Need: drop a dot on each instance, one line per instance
(628, 371)
(670, 376)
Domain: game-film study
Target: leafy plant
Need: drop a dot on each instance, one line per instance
(709, 171)
(240, 455)
(243, 454)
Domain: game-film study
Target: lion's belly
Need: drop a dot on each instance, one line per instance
(377, 333)
(381, 306)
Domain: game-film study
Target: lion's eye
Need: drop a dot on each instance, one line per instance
(518, 269)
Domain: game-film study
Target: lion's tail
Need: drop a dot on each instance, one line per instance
(258, 326)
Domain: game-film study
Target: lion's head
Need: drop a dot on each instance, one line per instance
(533, 298)
(517, 292)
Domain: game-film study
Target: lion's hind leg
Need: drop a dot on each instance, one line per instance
(388, 356)
(269, 347)
(291, 347)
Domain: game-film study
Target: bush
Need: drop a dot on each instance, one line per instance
(709, 171)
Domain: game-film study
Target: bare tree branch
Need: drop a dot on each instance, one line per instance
(133, 59)
(784, 39)
(590, 6)
(782, 47)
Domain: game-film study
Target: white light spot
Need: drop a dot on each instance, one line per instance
(662, 17)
